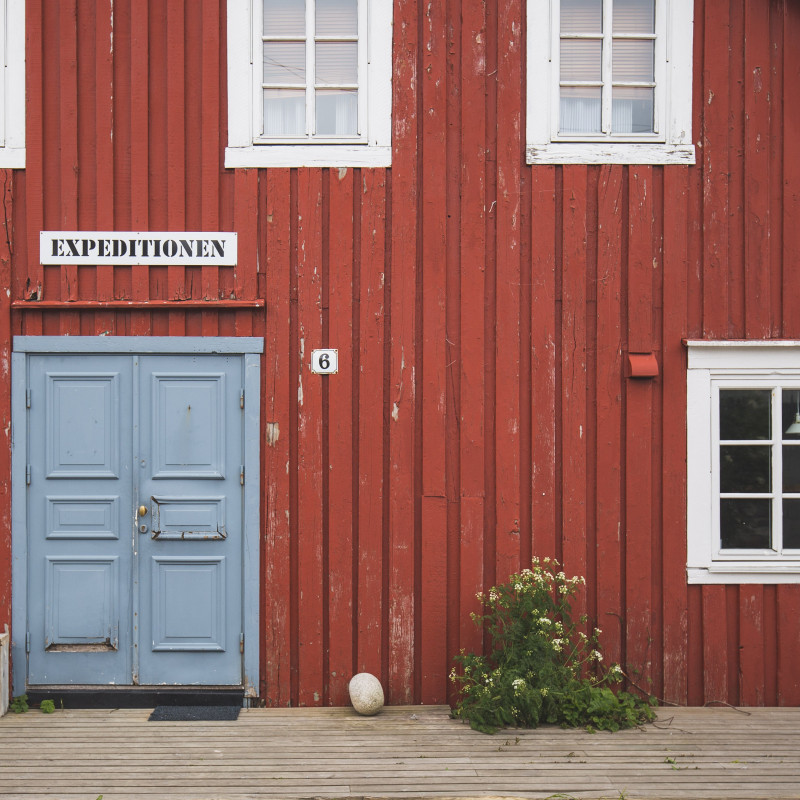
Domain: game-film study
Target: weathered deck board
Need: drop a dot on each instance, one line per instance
(408, 752)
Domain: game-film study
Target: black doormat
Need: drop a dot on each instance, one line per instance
(194, 714)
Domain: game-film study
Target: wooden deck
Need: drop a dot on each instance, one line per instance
(409, 752)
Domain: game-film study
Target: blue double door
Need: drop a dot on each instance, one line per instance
(134, 519)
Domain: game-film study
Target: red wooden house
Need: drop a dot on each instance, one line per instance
(554, 244)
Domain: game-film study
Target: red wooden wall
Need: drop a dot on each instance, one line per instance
(482, 309)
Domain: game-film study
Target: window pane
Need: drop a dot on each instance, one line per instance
(745, 524)
(634, 16)
(284, 112)
(285, 63)
(744, 414)
(284, 18)
(631, 110)
(580, 110)
(791, 524)
(337, 63)
(581, 60)
(790, 414)
(581, 16)
(744, 468)
(633, 61)
(337, 113)
(337, 18)
(791, 469)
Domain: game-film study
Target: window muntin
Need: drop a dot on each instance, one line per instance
(310, 88)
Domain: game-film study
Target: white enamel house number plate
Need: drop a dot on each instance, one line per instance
(325, 362)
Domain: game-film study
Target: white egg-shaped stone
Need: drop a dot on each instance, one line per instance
(366, 694)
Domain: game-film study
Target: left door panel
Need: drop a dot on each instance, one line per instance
(80, 519)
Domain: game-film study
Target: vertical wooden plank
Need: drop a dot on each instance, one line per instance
(674, 601)
(275, 616)
(790, 198)
(104, 122)
(716, 172)
(573, 366)
(402, 284)
(757, 112)
(472, 299)
(736, 266)
(210, 149)
(139, 153)
(433, 357)
(246, 223)
(453, 348)
(32, 276)
(639, 432)
(370, 421)
(68, 140)
(309, 437)
(609, 459)
(508, 212)
(715, 645)
(343, 482)
(751, 645)
(543, 361)
(788, 645)
(176, 154)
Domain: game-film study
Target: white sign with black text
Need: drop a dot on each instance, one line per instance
(134, 248)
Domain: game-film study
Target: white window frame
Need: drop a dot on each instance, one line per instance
(672, 141)
(12, 86)
(246, 148)
(711, 366)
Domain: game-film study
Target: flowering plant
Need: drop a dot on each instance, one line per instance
(541, 666)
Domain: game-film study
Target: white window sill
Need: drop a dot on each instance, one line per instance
(304, 155)
(12, 158)
(744, 573)
(609, 153)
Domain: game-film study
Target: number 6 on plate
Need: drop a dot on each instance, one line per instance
(325, 362)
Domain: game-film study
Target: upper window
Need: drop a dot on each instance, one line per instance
(743, 434)
(610, 81)
(12, 86)
(309, 83)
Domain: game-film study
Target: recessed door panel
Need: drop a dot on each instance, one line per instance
(188, 426)
(81, 601)
(189, 604)
(82, 425)
(82, 517)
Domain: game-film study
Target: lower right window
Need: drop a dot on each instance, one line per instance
(743, 462)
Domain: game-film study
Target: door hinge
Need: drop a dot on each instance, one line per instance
(27, 641)
(241, 475)
(241, 643)
(28, 474)
(241, 399)
(27, 398)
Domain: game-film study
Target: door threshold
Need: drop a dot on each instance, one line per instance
(136, 696)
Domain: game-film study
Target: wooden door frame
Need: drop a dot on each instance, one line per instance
(250, 349)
